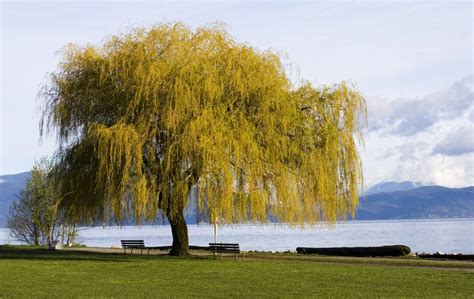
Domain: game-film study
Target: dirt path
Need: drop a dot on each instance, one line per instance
(115, 250)
(135, 251)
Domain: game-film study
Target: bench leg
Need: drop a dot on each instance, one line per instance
(236, 257)
(141, 251)
(124, 252)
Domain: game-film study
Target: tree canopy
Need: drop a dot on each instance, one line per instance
(153, 113)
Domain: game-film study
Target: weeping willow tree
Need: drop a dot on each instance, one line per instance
(154, 113)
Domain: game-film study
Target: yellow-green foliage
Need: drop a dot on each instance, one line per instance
(153, 112)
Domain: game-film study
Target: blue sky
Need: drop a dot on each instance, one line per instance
(412, 61)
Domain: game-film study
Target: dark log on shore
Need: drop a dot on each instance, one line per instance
(391, 250)
(459, 257)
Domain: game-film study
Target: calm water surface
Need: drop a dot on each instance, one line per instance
(444, 235)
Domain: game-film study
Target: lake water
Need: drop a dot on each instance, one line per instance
(444, 235)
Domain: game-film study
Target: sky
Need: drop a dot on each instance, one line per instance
(412, 61)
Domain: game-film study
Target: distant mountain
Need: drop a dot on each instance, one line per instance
(390, 186)
(423, 202)
(10, 186)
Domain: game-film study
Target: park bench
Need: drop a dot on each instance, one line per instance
(133, 244)
(225, 248)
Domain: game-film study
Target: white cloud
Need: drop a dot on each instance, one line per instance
(428, 139)
(453, 171)
(411, 150)
(408, 117)
(458, 143)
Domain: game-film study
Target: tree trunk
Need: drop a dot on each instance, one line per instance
(35, 234)
(179, 229)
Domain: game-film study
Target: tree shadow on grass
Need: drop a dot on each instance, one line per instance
(40, 253)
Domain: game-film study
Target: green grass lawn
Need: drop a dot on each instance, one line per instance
(33, 272)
